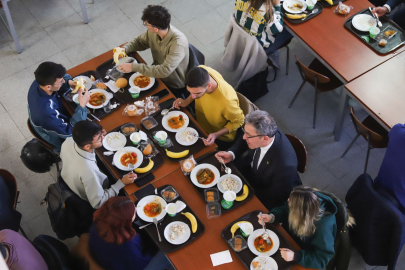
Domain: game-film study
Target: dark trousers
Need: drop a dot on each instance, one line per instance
(399, 18)
(281, 38)
(179, 92)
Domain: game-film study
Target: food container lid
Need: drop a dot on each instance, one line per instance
(238, 248)
(152, 121)
(213, 210)
(216, 194)
(170, 189)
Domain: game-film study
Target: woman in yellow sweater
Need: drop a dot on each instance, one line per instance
(216, 105)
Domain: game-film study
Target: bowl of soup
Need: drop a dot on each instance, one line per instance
(150, 207)
(175, 121)
(205, 175)
(138, 80)
(98, 98)
(259, 246)
(124, 156)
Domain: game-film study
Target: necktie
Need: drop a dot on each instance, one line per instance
(256, 159)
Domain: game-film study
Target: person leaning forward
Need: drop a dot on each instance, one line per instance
(270, 165)
(80, 170)
(216, 105)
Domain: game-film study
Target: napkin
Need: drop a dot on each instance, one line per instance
(112, 86)
(221, 258)
(180, 206)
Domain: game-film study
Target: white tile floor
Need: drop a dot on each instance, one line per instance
(53, 30)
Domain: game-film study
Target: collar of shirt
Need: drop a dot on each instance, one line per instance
(84, 154)
(263, 151)
(167, 38)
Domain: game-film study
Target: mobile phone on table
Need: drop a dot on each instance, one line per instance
(161, 94)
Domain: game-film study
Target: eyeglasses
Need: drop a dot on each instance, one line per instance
(149, 25)
(248, 135)
(61, 82)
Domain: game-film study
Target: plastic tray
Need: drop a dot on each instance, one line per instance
(335, 2)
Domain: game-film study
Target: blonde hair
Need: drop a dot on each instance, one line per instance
(256, 4)
(304, 211)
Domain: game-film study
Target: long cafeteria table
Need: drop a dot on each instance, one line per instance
(345, 55)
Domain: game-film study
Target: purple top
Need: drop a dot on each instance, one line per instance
(22, 255)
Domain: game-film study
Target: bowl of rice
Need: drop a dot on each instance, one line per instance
(230, 182)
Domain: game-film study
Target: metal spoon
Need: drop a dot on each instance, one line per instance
(265, 236)
(145, 226)
(313, 12)
(166, 111)
(156, 223)
(226, 169)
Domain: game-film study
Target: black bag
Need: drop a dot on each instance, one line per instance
(255, 87)
(70, 215)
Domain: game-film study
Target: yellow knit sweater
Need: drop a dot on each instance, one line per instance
(220, 108)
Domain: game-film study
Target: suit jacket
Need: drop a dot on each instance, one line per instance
(277, 174)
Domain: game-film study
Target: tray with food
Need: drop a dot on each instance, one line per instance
(244, 236)
(124, 81)
(131, 147)
(222, 192)
(299, 11)
(102, 102)
(175, 134)
(178, 225)
(384, 39)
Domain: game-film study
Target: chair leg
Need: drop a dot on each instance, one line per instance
(275, 74)
(315, 105)
(22, 231)
(368, 154)
(288, 59)
(350, 145)
(296, 94)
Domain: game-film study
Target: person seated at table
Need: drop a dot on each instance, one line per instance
(391, 176)
(399, 16)
(270, 165)
(80, 170)
(19, 253)
(47, 115)
(113, 242)
(263, 20)
(309, 218)
(169, 49)
(216, 105)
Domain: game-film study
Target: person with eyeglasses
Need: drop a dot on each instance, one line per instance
(169, 49)
(47, 115)
(270, 165)
(80, 171)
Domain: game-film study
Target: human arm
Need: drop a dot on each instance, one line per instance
(387, 8)
(280, 213)
(234, 116)
(213, 136)
(140, 43)
(276, 25)
(182, 103)
(66, 85)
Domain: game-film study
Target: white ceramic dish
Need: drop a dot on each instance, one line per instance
(290, 3)
(174, 114)
(107, 95)
(148, 199)
(88, 83)
(178, 240)
(119, 153)
(193, 175)
(137, 74)
(273, 237)
(363, 22)
(181, 138)
(125, 60)
(115, 143)
(266, 262)
(234, 177)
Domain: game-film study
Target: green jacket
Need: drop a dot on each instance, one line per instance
(318, 249)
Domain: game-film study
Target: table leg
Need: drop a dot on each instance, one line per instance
(341, 114)
(84, 11)
(11, 25)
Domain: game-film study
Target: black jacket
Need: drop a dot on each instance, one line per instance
(277, 173)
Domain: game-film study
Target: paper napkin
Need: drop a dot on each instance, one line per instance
(221, 258)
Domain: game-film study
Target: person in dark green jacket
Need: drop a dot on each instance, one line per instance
(309, 218)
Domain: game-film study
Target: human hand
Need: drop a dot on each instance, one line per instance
(264, 218)
(226, 156)
(84, 98)
(380, 11)
(129, 178)
(210, 139)
(177, 103)
(287, 254)
(126, 67)
(72, 83)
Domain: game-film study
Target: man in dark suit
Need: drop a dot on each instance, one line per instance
(399, 16)
(270, 165)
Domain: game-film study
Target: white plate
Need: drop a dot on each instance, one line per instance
(123, 61)
(148, 199)
(88, 82)
(290, 3)
(234, 177)
(174, 114)
(363, 22)
(132, 78)
(119, 153)
(267, 262)
(193, 175)
(106, 94)
(177, 240)
(273, 237)
(181, 138)
(115, 143)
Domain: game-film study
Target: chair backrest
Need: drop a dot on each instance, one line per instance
(11, 183)
(245, 104)
(309, 74)
(196, 57)
(38, 137)
(300, 151)
(365, 131)
(55, 253)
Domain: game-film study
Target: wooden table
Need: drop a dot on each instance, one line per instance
(338, 49)
(381, 91)
(197, 254)
(116, 119)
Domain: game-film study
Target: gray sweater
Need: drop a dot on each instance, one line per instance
(170, 56)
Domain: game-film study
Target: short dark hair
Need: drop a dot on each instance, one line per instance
(157, 16)
(48, 72)
(84, 131)
(197, 77)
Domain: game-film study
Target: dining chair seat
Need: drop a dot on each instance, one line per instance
(334, 82)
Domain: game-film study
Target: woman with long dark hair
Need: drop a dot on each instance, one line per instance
(113, 242)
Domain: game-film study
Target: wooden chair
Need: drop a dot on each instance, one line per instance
(300, 151)
(318, 76)
(375, 135)
(245, 104)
